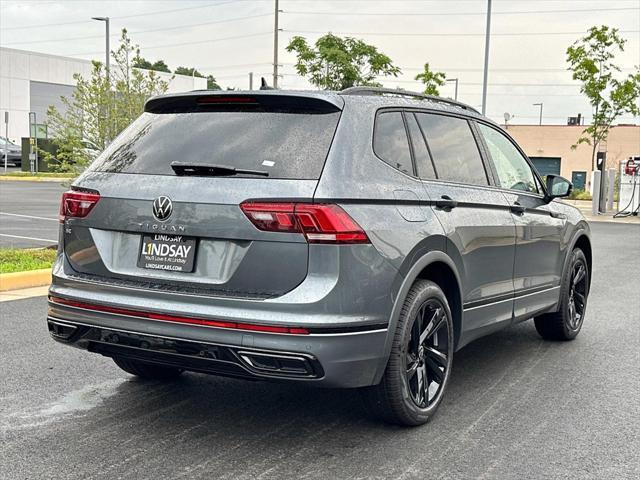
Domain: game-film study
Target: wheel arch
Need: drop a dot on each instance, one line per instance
(438, 267)
(582, 240)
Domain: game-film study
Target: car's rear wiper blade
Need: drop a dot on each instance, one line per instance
(212, 170)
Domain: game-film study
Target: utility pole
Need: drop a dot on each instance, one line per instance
(539, 105)
(486, 59)
(455, 95)
(275, 45)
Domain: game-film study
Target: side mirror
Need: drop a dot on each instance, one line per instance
(557, 187)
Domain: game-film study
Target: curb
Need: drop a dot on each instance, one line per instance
(19, 280)
(7, 178)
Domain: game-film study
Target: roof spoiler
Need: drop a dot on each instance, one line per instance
(257, 100)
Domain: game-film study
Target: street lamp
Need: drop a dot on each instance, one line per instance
(455, 95)
(539, 105)
(106, 21)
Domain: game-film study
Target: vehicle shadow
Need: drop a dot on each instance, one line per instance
(299, 410)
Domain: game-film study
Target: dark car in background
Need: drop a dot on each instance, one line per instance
(13, 152)
(351, 239)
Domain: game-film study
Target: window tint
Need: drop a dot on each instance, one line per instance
(286, 145)
(513, 170)
(453, 147)
(420, 152)
(390, 141)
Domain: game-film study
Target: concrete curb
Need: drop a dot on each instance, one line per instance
(8, 178)
(19, 280)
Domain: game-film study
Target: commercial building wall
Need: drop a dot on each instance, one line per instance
(551, 142)
(30, 81)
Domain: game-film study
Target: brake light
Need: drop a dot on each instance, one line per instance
(225, 99)
(77, 204)
(320, 223)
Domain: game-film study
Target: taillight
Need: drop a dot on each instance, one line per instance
(77, 204)
(320, 223)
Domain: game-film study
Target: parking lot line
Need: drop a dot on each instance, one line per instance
(28, 238)
(29, 216)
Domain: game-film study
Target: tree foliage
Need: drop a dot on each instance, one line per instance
(591, 61)
(431, 80)
(188, 71)
(336, 63)
(100, 107)
(159, 66)
(192, 72)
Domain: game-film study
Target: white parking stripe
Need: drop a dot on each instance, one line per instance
(28, 238)
(29, 216)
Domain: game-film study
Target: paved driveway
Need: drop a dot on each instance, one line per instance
(517, 408)
(29, 213)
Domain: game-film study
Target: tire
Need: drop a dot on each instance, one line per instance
(565, 324)
(398, 398)
(147, 371)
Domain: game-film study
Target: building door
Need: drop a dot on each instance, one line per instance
(546, 165)
(579, 180)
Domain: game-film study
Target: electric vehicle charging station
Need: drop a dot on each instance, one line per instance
(629, 199)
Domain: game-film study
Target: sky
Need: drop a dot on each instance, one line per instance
(230, 38)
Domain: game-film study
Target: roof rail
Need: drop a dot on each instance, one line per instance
(403, 93)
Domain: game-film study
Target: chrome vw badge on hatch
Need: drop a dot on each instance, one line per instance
(162, 208)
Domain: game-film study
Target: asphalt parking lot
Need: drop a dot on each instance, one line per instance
(517, 407)
(29, 213)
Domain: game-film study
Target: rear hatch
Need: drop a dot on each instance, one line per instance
(160, 208)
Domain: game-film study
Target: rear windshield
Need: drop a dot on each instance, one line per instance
(286, 145)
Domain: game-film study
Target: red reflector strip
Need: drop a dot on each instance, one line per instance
(187, 320)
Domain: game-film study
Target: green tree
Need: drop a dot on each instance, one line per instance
(212, 84)
(431, 80)
(100, 108)
(336, 63)
(591, 61)
(188, 71)
(159, 66)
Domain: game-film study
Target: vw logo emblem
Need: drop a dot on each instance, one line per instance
(162, 208)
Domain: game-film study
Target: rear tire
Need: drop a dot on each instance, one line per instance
(147, 371)
(420, 362)
(565, 324)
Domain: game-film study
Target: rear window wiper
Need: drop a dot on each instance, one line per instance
(212, 170)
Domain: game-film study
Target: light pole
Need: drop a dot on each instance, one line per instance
(486, 59)
(107, 68)
(539, 105)
(276, 29)
(106, 58)
(455, 94)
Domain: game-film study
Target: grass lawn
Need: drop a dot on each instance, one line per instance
(20, 260)
(43, 174)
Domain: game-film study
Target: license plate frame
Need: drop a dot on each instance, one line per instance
(156, 252)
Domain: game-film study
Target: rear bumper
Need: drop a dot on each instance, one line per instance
(342, 360)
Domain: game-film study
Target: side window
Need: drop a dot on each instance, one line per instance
(513, 170)
(455, 154)
(420, 152)
(390, 141)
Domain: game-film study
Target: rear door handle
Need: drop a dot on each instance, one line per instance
(517, 209)
(446, 203)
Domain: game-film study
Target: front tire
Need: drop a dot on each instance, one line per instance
(565, 324)
(148, 371)
(420, 362)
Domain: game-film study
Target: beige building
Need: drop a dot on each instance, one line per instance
(549, 147)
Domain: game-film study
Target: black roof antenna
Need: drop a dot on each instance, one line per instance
(264, 85)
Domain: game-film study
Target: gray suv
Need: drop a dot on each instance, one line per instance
(341, 239)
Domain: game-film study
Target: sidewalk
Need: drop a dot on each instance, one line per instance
(586, 209)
